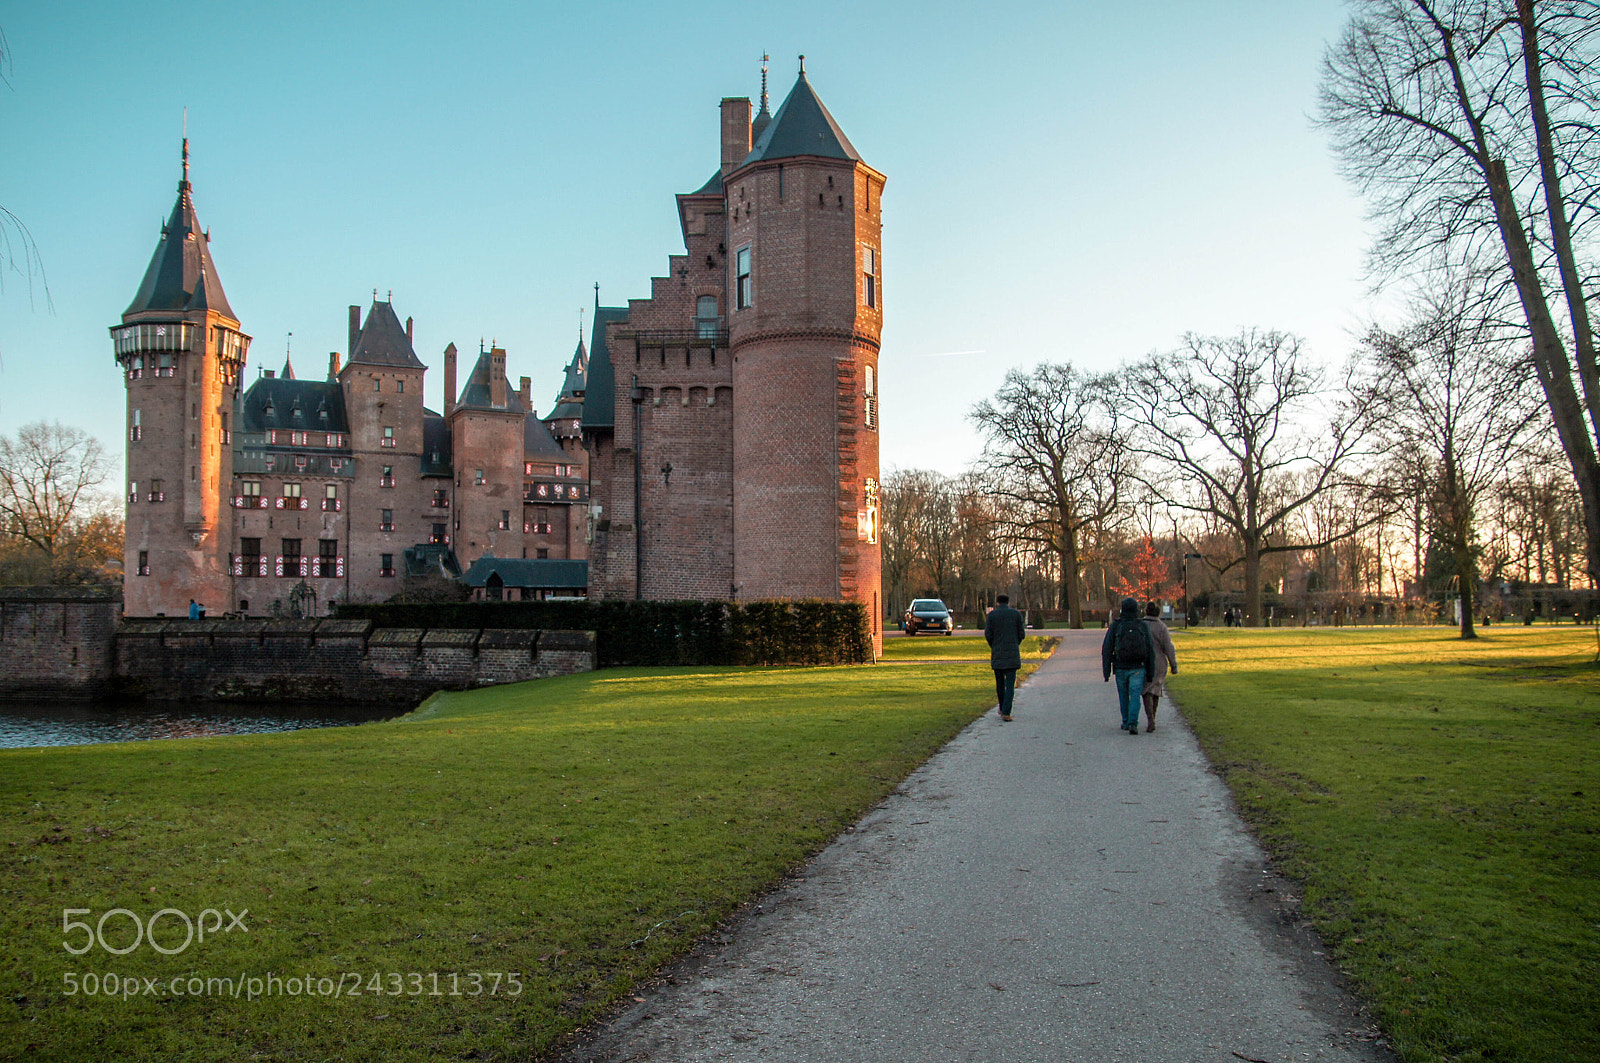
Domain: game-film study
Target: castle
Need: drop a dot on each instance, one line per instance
(716, 440)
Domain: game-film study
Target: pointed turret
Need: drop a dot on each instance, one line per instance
(383, 340)
(802, 126)
(181, 275)
(763, 117)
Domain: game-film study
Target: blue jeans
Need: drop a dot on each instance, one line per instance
(1005, 688)
(1130, 691)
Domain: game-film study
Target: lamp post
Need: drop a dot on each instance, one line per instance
(1188, 609)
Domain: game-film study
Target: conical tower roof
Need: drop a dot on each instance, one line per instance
(181, 275)
(802, 126)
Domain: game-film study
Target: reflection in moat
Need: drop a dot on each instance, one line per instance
(55, 723)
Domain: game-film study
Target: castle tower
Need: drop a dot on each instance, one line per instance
(804, 316)
(181, 353)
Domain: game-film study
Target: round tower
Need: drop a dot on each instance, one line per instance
(805, 314)
(181, 354)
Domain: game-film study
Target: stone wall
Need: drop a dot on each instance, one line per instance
(56, 642)
(331, 660)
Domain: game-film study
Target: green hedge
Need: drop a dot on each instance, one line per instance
(798, 631)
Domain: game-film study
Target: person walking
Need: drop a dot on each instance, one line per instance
(1128, 651)
(1004, 632)
(1165, 655)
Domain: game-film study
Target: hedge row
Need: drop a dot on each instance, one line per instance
(799, 631)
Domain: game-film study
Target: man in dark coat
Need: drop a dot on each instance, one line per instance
(1004, 631)
(1130, 652)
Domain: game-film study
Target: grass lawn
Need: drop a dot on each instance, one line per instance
(471, 881)
(1440, 801)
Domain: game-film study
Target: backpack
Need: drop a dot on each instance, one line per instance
(1130, 644)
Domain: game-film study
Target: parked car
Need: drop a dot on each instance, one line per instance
(929, 614)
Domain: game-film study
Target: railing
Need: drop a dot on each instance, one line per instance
(703, 336)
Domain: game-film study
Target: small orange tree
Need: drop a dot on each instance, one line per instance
(1146, 580)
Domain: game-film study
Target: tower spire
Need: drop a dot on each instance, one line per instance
(764, 59)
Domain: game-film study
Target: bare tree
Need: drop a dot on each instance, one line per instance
(1240, 429)
(19, 253)
(1446, 388)
(1051, 450)
(48, 473)
(1470, 123)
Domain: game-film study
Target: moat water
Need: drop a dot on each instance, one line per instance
(56, 723)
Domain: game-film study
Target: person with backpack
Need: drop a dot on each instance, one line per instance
(1130, 652)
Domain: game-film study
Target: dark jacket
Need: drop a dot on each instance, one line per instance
(1004, 631)
(1109, 643)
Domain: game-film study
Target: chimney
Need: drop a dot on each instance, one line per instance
(735, 132)
(355, 329)
(449, 380)
(497, 378)
(408, 331)
(525, 393)
(333, 365)
(269, 373)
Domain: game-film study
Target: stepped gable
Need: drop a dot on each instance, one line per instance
(383, 340)
(802, 126)
(181, 275)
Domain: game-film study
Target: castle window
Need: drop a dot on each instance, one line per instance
(385, 564)
(291, 490)
(335, 439)
(292, 563)
(156, 493)
(297, 439)
(386, 520)
(387, 479)
(541, 552)
(250, 488)
(135, 430)
(505, 520)
(327, 558)
(133, 490)
(377, 385)
(330, 498)
(388, 436)
(741, 273)
(249, 558)
(144, 563)
(870, 391)
(477, 476)
(869, 276)
(400, 386)
(440, 535)
(299, 461)
(705, 316)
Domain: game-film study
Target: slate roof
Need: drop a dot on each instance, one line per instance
(383, 340)
(476, 394)
(435, 559)
(181, 275)
(309, 405)
(802, 126)
(438, 458)
(539, 572)
(599, 402)
(569, 403)
(537, 442)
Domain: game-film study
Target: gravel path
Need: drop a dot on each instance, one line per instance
(1045, 890)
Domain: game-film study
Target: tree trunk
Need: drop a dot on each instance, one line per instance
(1069, 581)
(1252, 582)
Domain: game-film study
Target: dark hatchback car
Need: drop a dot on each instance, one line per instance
(929, 614)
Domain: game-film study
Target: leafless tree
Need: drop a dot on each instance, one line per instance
(1243, 430)
(1051, 450)
(1447, 388)
(48, 473)
(1470, 124)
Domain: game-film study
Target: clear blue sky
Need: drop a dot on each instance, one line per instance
(1066, 180)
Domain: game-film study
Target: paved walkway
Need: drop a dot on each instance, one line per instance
(1045, 890)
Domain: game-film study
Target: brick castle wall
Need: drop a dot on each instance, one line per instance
(56, 643)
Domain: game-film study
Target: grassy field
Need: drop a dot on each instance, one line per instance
(1440, 801)
(471, 881)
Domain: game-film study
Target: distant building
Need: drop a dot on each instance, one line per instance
(717, 440)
